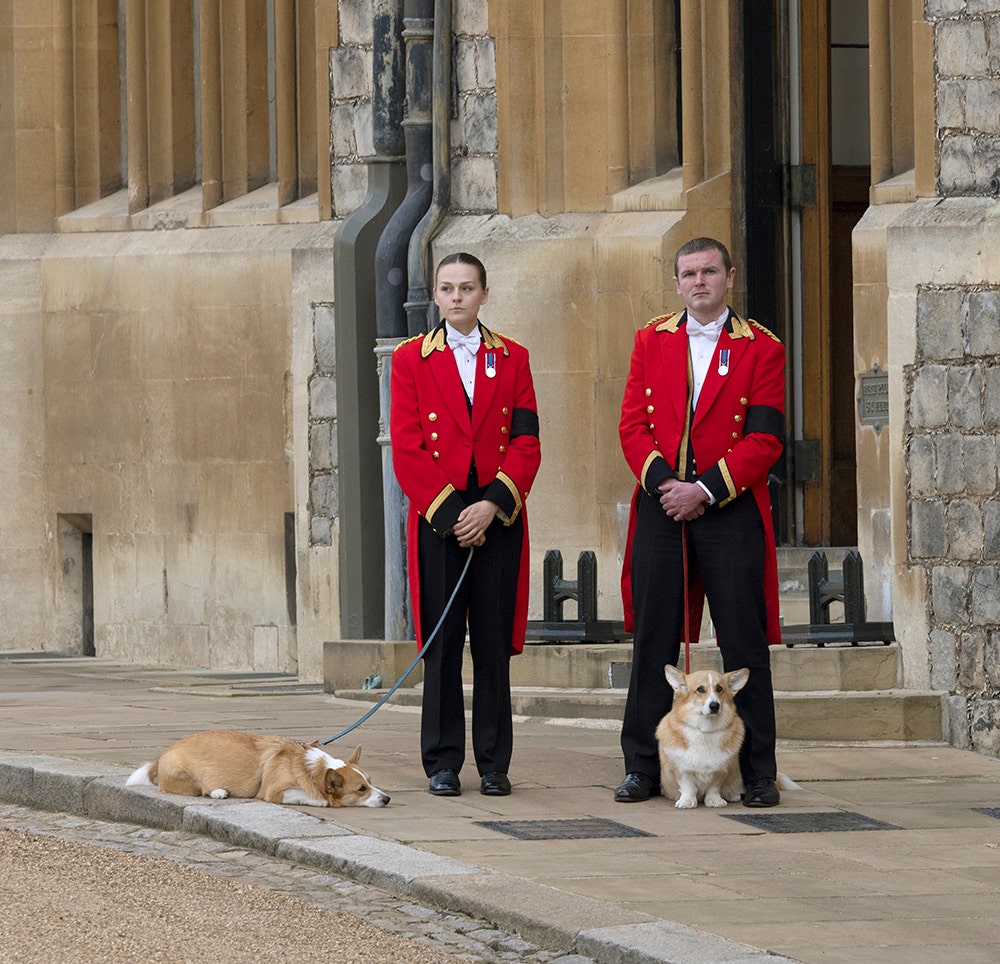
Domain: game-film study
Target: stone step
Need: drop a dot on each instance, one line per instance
(823, 716)
(833, 694)
(598, 665)
(802, 668)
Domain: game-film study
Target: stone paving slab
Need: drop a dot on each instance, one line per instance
(72, 730)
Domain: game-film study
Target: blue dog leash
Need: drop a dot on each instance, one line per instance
(420, 656)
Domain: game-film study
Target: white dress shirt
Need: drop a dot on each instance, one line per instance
(465, 348)
(702, 340)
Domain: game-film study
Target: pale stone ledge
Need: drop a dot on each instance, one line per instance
(663, 193)
(259, 207)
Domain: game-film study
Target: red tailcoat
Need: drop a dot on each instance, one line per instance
(434, 442)
(735, 434)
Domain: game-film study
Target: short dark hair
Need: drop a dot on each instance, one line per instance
(697, 245)
(463, 257)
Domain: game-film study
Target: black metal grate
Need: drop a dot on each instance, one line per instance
(989, 811)
(836, 821)
(562, 829)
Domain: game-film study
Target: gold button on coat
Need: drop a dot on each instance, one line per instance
(434, 436)
(432, 417)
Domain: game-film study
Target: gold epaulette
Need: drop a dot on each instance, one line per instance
(406, 341)
(770, 334)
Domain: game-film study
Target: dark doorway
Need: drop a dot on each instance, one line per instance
(849, 188)
(75, 613)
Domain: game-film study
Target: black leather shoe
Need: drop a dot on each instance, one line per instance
(444, 783)
(761, 793)
(635, 788)
(495, 785)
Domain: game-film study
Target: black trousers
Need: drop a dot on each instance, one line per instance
(486, 601)
(726, 548)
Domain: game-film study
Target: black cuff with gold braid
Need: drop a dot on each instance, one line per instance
(657, 470)
(499, 494)
(444, 511)
(715, 481)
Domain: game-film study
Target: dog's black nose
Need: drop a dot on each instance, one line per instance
(713, 707)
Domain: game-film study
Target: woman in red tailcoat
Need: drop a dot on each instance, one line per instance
(464, 428)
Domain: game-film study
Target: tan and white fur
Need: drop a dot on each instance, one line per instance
(228, 763)
(700, 738)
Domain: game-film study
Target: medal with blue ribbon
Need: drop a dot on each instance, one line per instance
(723, 361)
(491, 364)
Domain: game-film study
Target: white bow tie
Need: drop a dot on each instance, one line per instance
(469, 342)
(711, 331)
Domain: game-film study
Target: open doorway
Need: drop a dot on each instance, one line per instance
(834, 143)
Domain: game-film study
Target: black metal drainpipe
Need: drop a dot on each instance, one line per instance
(418, 301)
(390, 257)
(391, 294)
(359, 458)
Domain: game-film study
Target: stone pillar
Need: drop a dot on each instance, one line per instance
(398, 617)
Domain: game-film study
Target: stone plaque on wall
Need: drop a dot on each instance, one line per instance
(873, 398)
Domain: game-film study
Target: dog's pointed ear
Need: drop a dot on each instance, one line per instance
(738, 679)
(676, 679)
(334, 781)
(355, 757)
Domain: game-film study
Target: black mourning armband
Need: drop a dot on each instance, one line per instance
(765, 418)
(524, 421)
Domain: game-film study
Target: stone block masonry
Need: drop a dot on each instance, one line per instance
(967, 58)
(323, 492)
(952, 424)
(474, 111)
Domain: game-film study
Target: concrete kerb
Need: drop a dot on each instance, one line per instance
(663, 941)
(541, 914)
(255, 825)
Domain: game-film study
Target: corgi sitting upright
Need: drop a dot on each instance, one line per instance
(700, 738)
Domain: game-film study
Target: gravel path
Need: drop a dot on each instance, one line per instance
(74, 890)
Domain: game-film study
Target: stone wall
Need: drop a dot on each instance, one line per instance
(474, 132)
(952, 420)
(474, 124)
(967, 60)
(153, 400)
(167, 401)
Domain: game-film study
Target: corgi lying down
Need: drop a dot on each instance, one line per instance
(228, 763)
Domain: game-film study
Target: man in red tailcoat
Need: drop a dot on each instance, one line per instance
(702, 423)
